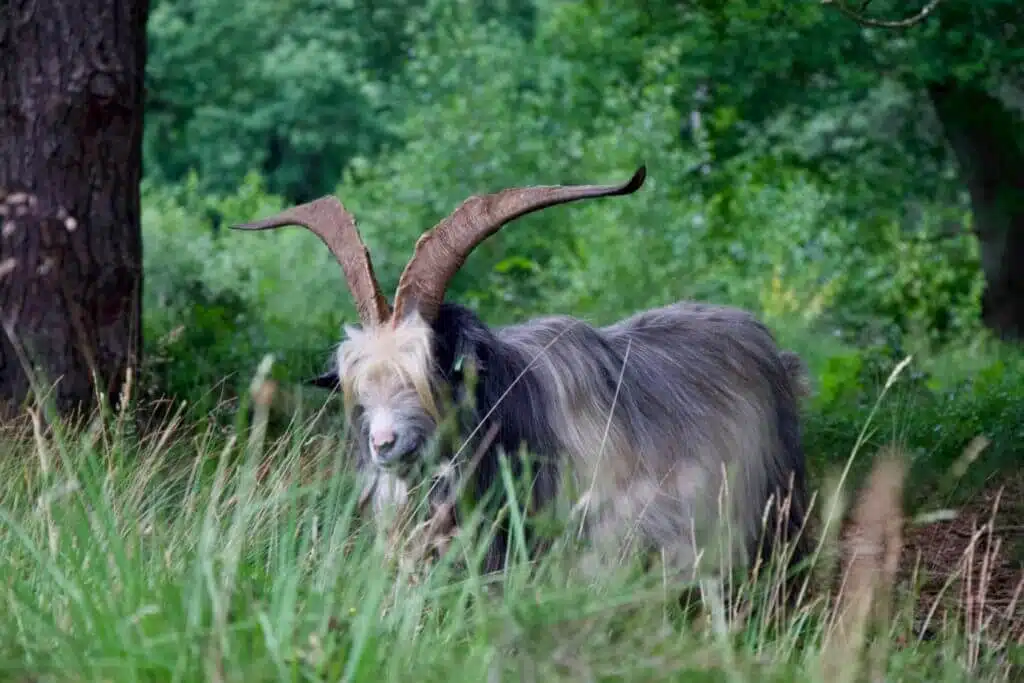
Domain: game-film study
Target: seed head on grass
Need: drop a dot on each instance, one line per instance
(875, 542)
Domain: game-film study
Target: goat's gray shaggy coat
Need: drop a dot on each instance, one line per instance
(648, 415)
(678, 427)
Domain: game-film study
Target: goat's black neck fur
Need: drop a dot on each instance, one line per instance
(506, 395)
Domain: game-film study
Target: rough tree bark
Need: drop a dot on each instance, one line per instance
(71, 108)
(988, 144)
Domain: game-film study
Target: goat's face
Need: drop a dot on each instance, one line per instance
(390, 385)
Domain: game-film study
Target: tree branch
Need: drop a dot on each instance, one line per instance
(879, 23)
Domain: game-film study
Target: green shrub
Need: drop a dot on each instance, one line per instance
(217, 300)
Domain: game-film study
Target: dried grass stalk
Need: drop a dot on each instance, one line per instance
(874, 546)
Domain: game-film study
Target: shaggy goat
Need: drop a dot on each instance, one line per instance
(652, 416)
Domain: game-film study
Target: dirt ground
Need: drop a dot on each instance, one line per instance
(973, 565)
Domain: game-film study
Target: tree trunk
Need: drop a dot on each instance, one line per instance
(985, 137)
(71, 107)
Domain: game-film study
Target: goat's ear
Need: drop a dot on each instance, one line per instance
(328, 380)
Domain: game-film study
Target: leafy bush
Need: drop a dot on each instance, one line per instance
(233, 296)
(216, 300)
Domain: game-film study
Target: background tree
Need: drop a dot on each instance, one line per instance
(983, 131)
(71, 109)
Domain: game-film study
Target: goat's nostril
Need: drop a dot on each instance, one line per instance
(383, 439)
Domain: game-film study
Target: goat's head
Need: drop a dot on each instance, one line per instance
(386, 368)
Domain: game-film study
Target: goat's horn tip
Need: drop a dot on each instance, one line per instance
(635, 182)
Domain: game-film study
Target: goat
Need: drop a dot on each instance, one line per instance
(651, 416)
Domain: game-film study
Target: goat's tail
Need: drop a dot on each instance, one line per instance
(797, 529)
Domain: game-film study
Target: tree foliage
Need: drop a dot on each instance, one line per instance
(293, 89)
(796, 161)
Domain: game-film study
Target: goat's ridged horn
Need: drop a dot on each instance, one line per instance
(442, 250)
(328, 219)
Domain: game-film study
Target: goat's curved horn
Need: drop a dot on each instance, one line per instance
(442, 250)
(328, 219)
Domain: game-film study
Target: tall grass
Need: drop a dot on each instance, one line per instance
(195, 554)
